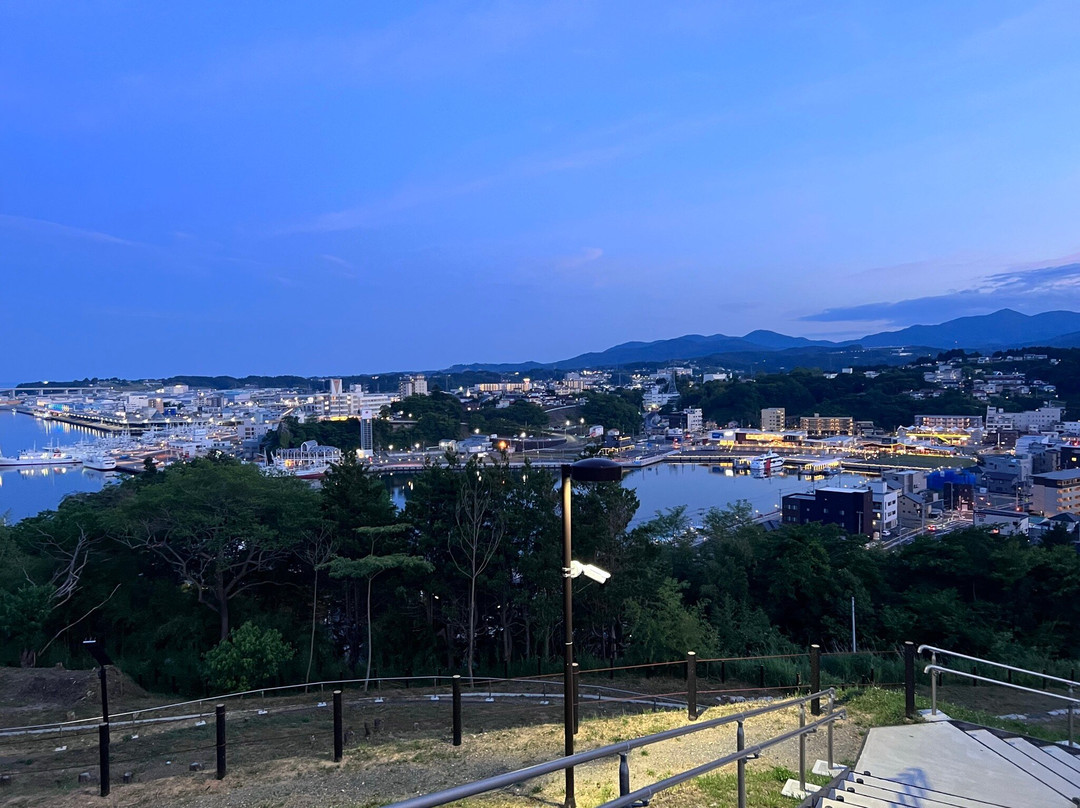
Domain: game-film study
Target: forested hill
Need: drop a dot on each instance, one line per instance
(181, 569)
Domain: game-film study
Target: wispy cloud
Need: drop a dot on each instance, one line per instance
(47, 228)
(1041, 288)
(624, 139)
(586, 256)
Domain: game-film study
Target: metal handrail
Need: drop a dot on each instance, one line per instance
(932, 649)
(1036, 691)
(933, 669)
(623, 748)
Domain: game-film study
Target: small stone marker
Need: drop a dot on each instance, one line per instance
(127, 777)
(84, 777)
(195, 767)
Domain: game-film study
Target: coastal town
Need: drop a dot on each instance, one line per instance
(1015, 470)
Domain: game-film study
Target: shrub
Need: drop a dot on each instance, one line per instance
(251, 656)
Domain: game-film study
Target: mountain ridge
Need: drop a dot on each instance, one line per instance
(1004, 328)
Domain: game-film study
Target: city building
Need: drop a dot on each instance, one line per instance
(1039, 420)
(850, 508)
(821, 426)
(1056, 492)
(772, 419)
(1002, 520)
(914, 509)
(886, 505)
(413, 386)
(949, 423)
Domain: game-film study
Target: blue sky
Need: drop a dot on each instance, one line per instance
(361, 187)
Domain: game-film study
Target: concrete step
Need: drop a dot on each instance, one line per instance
(1066, 757)
(943, 758)
(1043, 758)
(1024, 763)
(862, 801)
(905, 790)
(882, 797)
(891, 796)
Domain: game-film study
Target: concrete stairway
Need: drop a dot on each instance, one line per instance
(948, 764)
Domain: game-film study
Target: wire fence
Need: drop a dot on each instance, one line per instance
(208, 737)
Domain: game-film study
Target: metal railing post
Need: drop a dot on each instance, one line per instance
(575, 675)
(933, 684)
(456, 712)
(1071, 705)
(815, 677)
(740, 744)
(624, 775)
(219, 725)
(909, 679)
(339, 730)
(691, 685)
(802, 749)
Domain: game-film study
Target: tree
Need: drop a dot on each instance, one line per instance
(480, 525)
(217, 523)
(249, 657)
(371, 566)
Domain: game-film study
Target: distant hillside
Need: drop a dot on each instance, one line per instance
(1002, 329)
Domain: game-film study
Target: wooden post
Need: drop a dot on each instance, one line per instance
(691, 685)
(219, 715)
(103, 757)
(457, 709)
(339, 728)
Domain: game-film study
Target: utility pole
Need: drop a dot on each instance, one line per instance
(853, 624)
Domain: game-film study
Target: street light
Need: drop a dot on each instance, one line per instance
(97, 651)
(590, 470)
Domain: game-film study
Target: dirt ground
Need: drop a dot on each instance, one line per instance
(403, 759)
(397, 744)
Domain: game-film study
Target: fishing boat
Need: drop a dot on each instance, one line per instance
(768, 463)
(39, 457)
(99, 461)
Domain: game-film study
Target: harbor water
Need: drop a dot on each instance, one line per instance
(27, 491)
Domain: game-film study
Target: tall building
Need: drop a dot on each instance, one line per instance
(412, 386)
(367, 436)
(772, 419)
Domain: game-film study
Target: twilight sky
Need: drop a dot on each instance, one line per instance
(252, 187)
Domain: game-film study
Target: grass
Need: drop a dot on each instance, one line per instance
(874, 707)
(763, 787)
(924, 461)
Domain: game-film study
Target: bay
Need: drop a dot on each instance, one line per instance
(28, 491)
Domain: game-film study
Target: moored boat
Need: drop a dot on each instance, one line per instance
(768, 463)
(39, 457)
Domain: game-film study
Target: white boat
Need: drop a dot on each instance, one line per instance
(99, 462)
(768, 463)
(42, 457)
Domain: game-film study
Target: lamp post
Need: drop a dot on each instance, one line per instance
(102, 659)
(590, 470)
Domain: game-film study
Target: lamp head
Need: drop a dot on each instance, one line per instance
(590, 571)
(97, 651)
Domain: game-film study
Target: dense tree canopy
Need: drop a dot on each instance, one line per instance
(164, 565)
